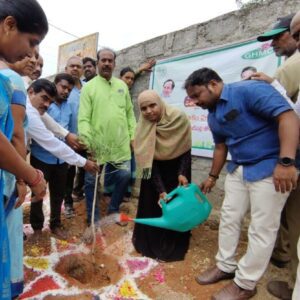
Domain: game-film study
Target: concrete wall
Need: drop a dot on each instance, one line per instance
(236, 26)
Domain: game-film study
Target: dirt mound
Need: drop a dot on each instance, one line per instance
(86, 270)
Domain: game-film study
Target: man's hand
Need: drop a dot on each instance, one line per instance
(73, 141)
(132, 145)
(207, 185)
(262, 76)
(147, 66)
(285, 178)
(162, 196)
(91, 166)
(22, 192)
(182, 180)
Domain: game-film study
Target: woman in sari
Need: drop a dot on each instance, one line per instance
(163, 155)
(23, 25)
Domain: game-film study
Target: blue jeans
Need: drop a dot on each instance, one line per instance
(109, 184)
(117, 176)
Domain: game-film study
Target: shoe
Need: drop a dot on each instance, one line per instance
(213, 275)
(77, 197)
(278, 263)
(232, 291)
(59, 233)
(69, 212)
(122, 223)
(280, 289)
(126, 199)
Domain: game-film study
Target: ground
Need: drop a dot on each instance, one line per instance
(56, 269)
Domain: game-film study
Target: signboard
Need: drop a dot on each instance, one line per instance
(169, 75)
(85, 46)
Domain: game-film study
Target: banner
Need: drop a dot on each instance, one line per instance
(85, 46)
(169, 75)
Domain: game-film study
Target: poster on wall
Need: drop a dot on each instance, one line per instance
(85, 46)
(169, 75)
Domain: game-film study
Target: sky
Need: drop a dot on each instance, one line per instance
(121, 23)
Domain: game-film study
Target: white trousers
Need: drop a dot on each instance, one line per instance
(296, 293)
(265, 206)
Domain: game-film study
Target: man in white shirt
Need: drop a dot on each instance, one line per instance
(40, 95)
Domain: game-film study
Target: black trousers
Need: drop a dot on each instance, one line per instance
(71, 172)
(79, 177)
(56, 176)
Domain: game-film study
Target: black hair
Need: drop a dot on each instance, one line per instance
(64, 76)
(89, 59)
(172, 81)
(44, 85)
(28, 14)
(106, 49)
(125, 70)
(201, 77)
(249, 68)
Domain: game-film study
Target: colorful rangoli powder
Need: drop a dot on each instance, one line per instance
(127, 290)
(137, 265)
(37, 263)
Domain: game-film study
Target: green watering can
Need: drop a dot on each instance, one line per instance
(188, 208)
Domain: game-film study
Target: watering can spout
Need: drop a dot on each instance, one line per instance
(156, 222)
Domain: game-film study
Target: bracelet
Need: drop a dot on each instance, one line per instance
(213, 176)
(38, 178)
(212, 179)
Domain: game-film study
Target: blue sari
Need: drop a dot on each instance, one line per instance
(14, 217)
(6, 127)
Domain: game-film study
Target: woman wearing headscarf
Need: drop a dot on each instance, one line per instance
(163, 155)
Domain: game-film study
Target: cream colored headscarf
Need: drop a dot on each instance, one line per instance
(163, 140)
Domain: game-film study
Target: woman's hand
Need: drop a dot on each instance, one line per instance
(22, 192)
(40, 189)
(207, 185)
(162, 197)
(182, 180)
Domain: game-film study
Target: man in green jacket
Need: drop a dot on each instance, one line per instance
(106, 123)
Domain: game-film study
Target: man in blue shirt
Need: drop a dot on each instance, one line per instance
(260, 130)
(74, 67)
(54, 168)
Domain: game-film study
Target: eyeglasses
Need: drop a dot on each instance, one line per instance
(296, 36)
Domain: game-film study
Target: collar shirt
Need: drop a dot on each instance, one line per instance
(73, 101)
(38, 132)
(244, 119)
(106, 116)
(288, 74)
(62, 114)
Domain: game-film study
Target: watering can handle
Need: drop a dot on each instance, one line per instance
(174, 192)
(202, 196)
(163, 204)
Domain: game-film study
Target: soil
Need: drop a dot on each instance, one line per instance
(88, 270)
(164, 281)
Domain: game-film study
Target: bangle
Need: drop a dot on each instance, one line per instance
(39, 177)
(213, 176)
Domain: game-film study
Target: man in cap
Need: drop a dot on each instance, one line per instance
(288, 74)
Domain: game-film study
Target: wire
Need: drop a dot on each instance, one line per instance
(62, 30)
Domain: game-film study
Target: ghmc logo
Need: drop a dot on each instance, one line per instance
(257, 53)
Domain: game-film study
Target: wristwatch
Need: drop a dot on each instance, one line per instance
(286, 161)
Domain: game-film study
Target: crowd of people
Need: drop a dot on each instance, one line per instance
(83, 124)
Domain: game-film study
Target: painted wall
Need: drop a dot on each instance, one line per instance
(236, 26)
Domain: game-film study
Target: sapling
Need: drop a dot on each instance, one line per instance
(100, 152)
